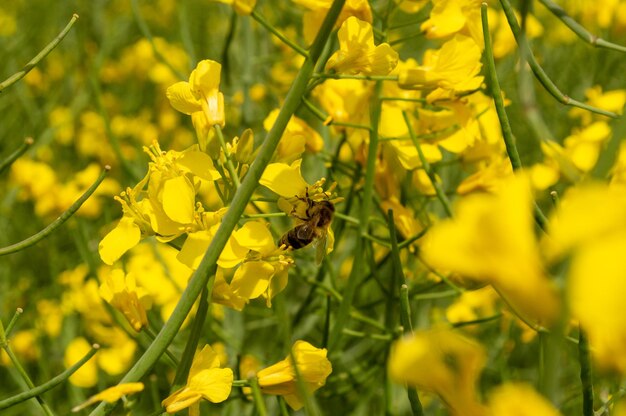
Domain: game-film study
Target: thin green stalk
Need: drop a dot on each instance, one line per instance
(192, 342)
(537, 69)
(145, 30)
(257, 397)
(229, 162)
(578, 29)
(404, 39)
(585, 373)
(28, 142)
(477, 321)
(50, 384)
(204, 275)
(441, 195)
(44, 52)
(18, 366)
(496, 93)
(363, 77)
(174, 361)
(259, 18)
(12, 322)
(282, 406)
(34, 239)
(328, 120)
(357, 272)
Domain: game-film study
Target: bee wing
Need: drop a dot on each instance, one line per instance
(320, 248)
(305, 232)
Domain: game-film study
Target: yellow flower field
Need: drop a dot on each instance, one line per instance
(313, 207)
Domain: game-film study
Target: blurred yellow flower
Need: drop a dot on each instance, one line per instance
(87, 375)
(357, 53)
(491, 239)
(443, 362)
(520, 400)
(121, 292)
(206, 380)
(280, 378)
(111, 395)
(242, 7)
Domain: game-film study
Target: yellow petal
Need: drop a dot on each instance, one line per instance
(194, 248)
(200, 164)
(214, 385)
(284, 179)
(179, 197)
(254, 235)
(206, 77)
(252, 279)
(119, 240)
(182, 99)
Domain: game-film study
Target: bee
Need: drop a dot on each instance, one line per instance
(313, 229)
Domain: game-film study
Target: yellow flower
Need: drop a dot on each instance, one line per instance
(449, 17)
(357, 53)
(163, 203)
(450, 70)
(206, 381)
(442, 362)
(123, 294)
(242, 7)
(280, 378)
(491, 239)
(520, 400)
(200, 94)
(312, 20)
(111, 395)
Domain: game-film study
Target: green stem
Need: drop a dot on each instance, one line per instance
(16, 363)
(192, 343)
(204, 275)
(44, 52)
(496, 93)
(536, 68)
(357, 271)
(404, 39)
(34, 239)
(405, 309)
(50, 384)
(259, 18)
(578, 29)
(229, 162)
(259, 403)
(28, 142)
(441, 195)
(174, 361)
(12, 322)
(585, 373)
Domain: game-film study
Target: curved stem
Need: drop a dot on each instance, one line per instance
(34, 239)
(538, 70)
(50, 384)
(28, 142)
(578, 29)
(229, 162)
(44, 52)
(205, 273)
